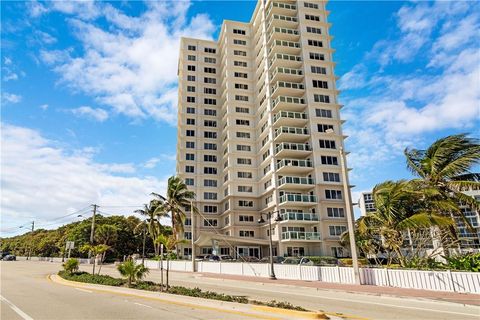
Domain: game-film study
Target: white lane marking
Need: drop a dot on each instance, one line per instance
(359, 301)
(142, 305)
(84, 290)
(16, 309)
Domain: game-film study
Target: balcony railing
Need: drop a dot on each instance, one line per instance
(294, 163)
(292, 146)
(287, 71)
(299, 216)
(285, 99)
(296, 180)
(299, 235)
(285, 44)
(290, 115)
(289, 85)
(298, 198)
(283, 31)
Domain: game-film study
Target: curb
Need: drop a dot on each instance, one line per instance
(245, 310)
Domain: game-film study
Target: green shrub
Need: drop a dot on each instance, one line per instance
(349, 262)
(198, 293)
(282, 305)
(131, 271)
(147, 285)
(323, 260)
(467, 262)
(92, 278)
(71, 265)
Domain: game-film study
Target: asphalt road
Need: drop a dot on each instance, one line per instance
(27, 293)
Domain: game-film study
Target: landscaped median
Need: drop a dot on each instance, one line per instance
(194, 298)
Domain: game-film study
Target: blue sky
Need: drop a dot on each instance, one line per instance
(89, 93)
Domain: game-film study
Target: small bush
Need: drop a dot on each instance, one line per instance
(349, 262)
(323, 260)
(92, 278)
(282, 305)
(198, 293)
(71, 265)
(147, 285)
(467, 262)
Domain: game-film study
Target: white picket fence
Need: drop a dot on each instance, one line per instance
(54, 259)
(463, 282)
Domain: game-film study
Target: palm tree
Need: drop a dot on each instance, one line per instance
(398, 209)
(170, 243)
(152, 221)
(95, 250)
(177, 199)
(106, 234)
(132, 271)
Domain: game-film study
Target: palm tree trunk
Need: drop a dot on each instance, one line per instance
(168, 268)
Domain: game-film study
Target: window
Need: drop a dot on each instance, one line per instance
(319, 70)
(190, 145)
(191, 99)
(336, 231)
(247, 233)
(315, 43)
(191, 48)
(210, 183)
(187, 235)
(210, 146)
(210, 135)
(191, 58)
(190, 169)
(331, 177)
(188, 222)
(244, 161)
(242, 122)
(210, 123)
(239, 53)
(240, 64)
(245, 203)
(242, 110)
(242, 147)
(244, 175)
(324, 127)
(210, 101)
(210, 222)
(320, 84)
(244, 135)
(241, 86)
(190, 156)
(190, 89)
(210, 80)
(210, 209)
(335, 212)
(241, 98)
(244, 218)
(314, 30)
(311, 5)
(267, 184)
(240, 42)
(210, 60)
(189, 181)
(209, 170)
(191, 110)
(267, 168)
(312, 17)
(190, 68)
(210, 112)
(210, 50)
(239, 31)
(191, 121)
(333, 194)
(209, 158)
(323, 113)
(317, 56)
(210, 195)
(209, 91)
(327, 144)
(190, 133)
(209, 70)
(190, 78)
(329, 160)
(240, 75)
(245, 189)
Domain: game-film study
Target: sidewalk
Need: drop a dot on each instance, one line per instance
(462, 298)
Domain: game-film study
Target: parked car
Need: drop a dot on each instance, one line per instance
(226, 258)
(200, 258)
(211, 257)
(299, 260)
(248, 259)
(9, 257)
(276, 259)
(3, 254)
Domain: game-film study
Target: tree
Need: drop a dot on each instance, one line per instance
(152, 215)
(96, 250)
(169, 242)
(177, 199)
(132, 271)
(71, 265)
(105, 234)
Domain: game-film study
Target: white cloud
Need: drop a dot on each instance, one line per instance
(45, 38)
(10, 98)
(36, 9)
(44, 107)
(97, 114)
(153, 162)
(131, 64)
(43, 180)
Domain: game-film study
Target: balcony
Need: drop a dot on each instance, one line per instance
(283, 46)
(296, 183)
(286, 74)
(291, 134)
(281, 8)
(286, 166)
(287, 103)
(285, 60)
(288, 88)
(278, 33)
(285, 21)
(290, 118)
(299, 217)
(301, 236)
(286, 149)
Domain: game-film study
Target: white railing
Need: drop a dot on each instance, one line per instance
(450, 281)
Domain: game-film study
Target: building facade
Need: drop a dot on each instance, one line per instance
(366, 203)
(259, 133)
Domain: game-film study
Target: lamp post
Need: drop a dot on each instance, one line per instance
(277, 219)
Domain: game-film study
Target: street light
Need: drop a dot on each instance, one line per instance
(277, 219)
(349, 209)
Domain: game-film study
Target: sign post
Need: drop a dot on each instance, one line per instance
(69, 246)
(161, 267)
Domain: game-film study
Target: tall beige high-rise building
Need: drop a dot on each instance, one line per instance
(259, 132)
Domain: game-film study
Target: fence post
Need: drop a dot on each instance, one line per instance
(338, 273)
(220, 267)
(387, 278)
(450, 277)
(241, 264)
(300, 271)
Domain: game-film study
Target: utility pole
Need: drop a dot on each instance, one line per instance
(192, 215)
(144, 238)
(30, 250)
(92, 231)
